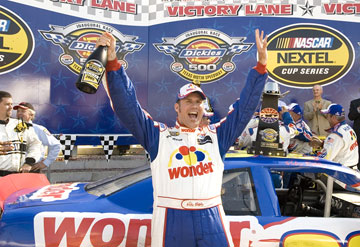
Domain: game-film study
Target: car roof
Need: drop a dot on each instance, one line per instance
(295, 163)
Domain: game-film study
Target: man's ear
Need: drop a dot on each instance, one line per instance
(176, 107)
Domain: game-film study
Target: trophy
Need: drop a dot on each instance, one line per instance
(267, 137)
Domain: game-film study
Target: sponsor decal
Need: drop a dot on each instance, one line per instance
(203, 55)
(54, 192)
(194, 159)
(269, 115)
(78, 41)
(202, 140)
(16, 41)
(114, 229)
(303, 55)
(268, 135)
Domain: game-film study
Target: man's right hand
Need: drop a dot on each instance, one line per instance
(107, 39)
(5, 147)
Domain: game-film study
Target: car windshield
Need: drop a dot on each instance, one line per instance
(110, 185)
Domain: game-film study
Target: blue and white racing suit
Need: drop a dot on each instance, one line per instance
(186, 164)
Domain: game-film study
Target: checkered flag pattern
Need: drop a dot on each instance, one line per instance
(168, 49)
(67, 145)
(108, 142)
(57, 38)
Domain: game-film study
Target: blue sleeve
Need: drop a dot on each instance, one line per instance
(127, 108)
(231, 127)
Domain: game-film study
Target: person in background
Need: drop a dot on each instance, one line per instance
(287, 130)
(354, 115)
(341, 144)
(208, 113)
(312, 112)
(25, 144)
(26, 112)
(301, 142)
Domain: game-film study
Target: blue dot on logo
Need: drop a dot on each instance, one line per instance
(179, 156)
(200, 155)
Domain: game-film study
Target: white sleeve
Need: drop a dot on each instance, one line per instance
(53, 144)
(33, 145)
(332, 146)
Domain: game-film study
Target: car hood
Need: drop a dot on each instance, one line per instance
(49, 195)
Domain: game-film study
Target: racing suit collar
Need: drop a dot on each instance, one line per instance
(336, 127)
(5, 121)
(183, 128)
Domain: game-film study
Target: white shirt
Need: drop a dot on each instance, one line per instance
(47, 139)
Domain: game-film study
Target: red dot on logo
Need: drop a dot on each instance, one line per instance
(192, 149)
(184, 150)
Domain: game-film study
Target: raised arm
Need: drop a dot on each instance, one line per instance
(242, 110)
(122, 94)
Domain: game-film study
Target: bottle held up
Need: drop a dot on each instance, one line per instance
(92, 71)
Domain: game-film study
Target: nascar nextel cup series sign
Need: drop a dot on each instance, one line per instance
(16, 41)
(303, 55)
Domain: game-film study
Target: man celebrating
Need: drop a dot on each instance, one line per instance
(25, 144)
(186, 160)
(341, 144)
(26, 112)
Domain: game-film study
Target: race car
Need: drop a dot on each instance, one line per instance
(269, 202)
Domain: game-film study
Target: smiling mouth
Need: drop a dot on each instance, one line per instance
(193, 115)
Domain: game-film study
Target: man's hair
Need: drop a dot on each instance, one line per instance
(4, 94)
(339, 118)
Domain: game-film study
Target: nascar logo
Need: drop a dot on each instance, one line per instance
(78, 41)
(203, 55)
(303, 55)
(16, 41)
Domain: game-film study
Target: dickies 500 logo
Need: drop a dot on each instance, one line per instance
(16, 41)
(203, 55)
(303, 55)
(78, 41)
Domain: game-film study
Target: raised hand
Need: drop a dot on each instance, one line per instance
(261, 45)
(107, 39)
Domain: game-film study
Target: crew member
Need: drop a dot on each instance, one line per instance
(341, 144)
(26, 112)
(25, 144)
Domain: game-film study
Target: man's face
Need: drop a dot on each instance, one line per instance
(294, 116)
(331, 119)
(190, 110)
(23, 114)
(317, 91)
(5, 108)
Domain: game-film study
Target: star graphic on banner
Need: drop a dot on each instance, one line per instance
(162, 63)
(79, 120)
(214, 96)
(40, 65)
(162, 110)
(307, 8)
(250, 29)
(163, 86)
(232, 86)
(59, 107)
(97, 129)
(60, 79)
